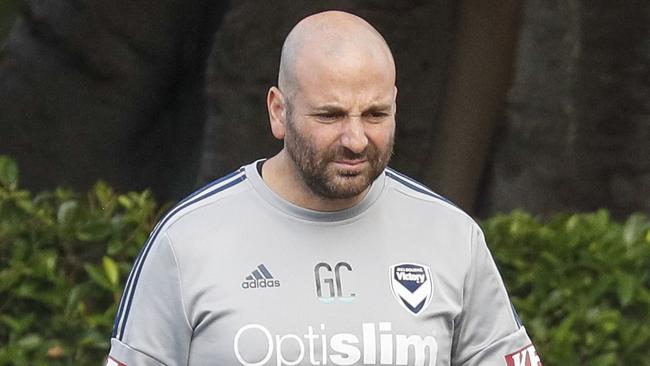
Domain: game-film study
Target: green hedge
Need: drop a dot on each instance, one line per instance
(580, 282)
(63, 260)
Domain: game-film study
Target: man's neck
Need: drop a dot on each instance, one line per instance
(282, 176)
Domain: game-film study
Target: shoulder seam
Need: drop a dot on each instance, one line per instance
(420, 188)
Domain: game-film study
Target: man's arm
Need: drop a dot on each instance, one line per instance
(151, 327)
(488, 331)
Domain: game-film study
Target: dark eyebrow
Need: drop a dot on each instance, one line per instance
(329, 108)
(379, 108)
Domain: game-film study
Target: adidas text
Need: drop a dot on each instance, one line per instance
(260, 283)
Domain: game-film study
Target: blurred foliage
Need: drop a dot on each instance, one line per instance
(580, 282)
(63, 261)
(8, 12)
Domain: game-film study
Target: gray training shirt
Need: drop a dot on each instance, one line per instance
(236, 275)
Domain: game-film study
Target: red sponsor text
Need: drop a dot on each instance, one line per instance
(526, 356)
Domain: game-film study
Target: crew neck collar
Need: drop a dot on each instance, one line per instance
(307, 214)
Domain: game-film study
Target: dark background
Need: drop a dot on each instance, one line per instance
(540, 105)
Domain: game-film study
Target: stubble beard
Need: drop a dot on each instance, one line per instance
(318, 172)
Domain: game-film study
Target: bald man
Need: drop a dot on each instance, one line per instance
(320, 255)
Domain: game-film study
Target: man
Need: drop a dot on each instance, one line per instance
(320, 255)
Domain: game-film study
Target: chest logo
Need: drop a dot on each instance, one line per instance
(411, 285)
(329, 283)
(260, 278)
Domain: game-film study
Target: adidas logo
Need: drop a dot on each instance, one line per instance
(260, 278)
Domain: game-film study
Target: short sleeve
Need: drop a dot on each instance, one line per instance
(488, 331)
(151, 327)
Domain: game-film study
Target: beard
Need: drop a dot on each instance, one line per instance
(322, 177)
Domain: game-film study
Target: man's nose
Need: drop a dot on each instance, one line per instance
(354, 135)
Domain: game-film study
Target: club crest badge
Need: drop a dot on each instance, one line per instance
(412, 286)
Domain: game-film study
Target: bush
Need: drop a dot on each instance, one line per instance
(580, 282)
(63, 261)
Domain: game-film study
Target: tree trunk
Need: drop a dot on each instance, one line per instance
(480, 76)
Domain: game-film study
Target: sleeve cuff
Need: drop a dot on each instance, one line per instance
(514, 349)
(123, 355)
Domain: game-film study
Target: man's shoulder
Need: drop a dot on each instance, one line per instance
(210, 196)
(412, 190)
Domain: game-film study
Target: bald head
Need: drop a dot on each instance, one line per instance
(335, 40)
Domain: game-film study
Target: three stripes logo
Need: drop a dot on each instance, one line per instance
(260, 278)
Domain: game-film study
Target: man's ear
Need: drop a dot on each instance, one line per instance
(276, 105)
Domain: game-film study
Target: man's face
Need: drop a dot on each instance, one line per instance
(340, 132)
(332, 170)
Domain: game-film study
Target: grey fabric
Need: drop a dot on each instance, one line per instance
(235, 275)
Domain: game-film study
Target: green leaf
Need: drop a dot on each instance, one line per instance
(606, 359)
(111, 270)
(634, 229)
(626, 287)
(8, 172)
(97, 276)
(15, 324)
(66, 212)
(94, 230)
(125, 201)
(73, 300)
(104, 194)
(30, 341)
